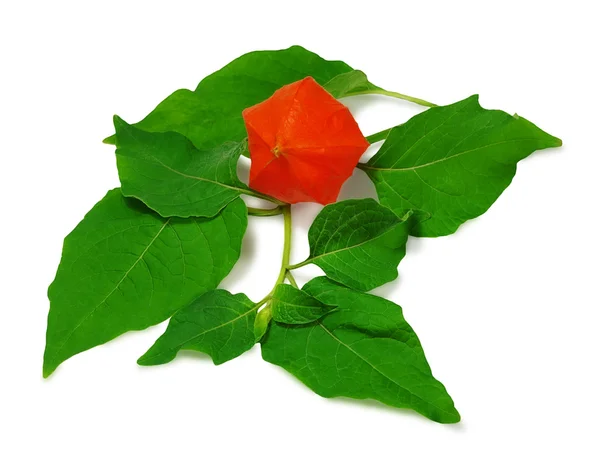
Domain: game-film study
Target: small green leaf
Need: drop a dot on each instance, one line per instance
(350, 83)
(172, 177)
(293, 306)
(217, 323)
(363, 350)
(212, 114)
(452, 162)
(261, 324)
(126, 268)
(182, 112)
(358, 243)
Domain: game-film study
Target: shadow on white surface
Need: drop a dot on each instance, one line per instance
(248, 253)
(399, 111)
(546, 152)
(243, 169)
(187, 355)
(361, 404)
(358, 186)
(403, 413)
(303, 215)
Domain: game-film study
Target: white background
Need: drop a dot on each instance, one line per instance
(507, 308)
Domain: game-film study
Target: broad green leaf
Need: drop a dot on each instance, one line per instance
(350, 83)
(212, 114)
(363, 350)
(452, 162)
(261, 324)
(126, 268)
(217, 323)
(293, 306)
(167, 173)
(358, 243)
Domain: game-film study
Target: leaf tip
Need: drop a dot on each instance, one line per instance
(118, 121)
(454, 417)
(296, 47)
(47, 371)
(474, 98)
(144, 360)
(110, 140)
(447, 415)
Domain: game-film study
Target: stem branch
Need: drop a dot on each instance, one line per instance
(256, 194)
(287, 246)
(381, 135)
(287, 243)
(290, 277)
(265, 212)
(388, 93)
(298, 265)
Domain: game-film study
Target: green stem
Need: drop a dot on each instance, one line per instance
(290, 278)
(256, 194)
(287, 243)
(262, 301)
(265, 212)
(298, 265)
(388, 93)
(285, 259)
(381, 135)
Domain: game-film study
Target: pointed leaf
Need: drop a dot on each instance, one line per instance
(212, 114)
(350, 83)
(172, 177)
(363, 350)
(126, 268)
(293, 306)
(452, 162)
(217, 323)
(358, 243)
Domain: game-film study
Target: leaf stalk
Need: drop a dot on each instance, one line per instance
(389, 93)
(381, 135)
(287, 248)
(256, 212)
(287, 243)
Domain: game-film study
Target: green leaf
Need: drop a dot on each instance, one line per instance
(167, 173)
(363, 350)
(358, 243)
(452, 162)
(350, 83)
(217, 323)
(261, 324)
(126, 268)
(182, 112)
(212, 114)
(293, 306)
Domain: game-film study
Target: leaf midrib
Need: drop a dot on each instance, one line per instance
(370, 167)
(180, 346)
(376, 369)
(198, 178)
(347, 248)
(143, 253)
(300, 305)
